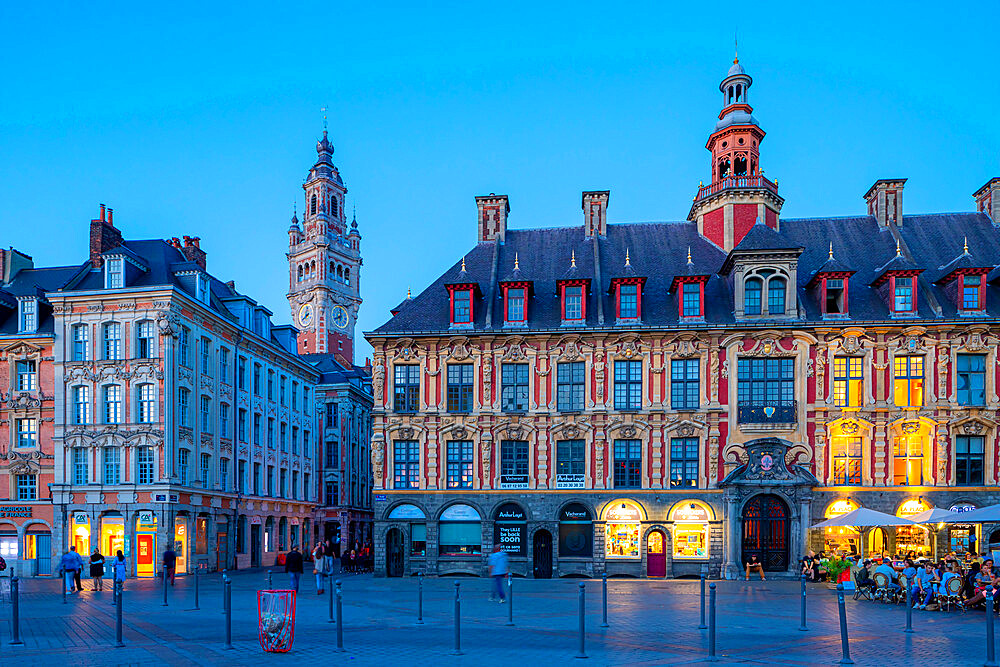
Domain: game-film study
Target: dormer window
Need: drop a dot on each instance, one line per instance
(691, 302)
(628, 298)
(515, 302)
(461, 304)
(114, 273)
(573, 296)
(903, 294)
(834, 296)
(202, 288)
(752, 290)
(766, 293)
(776, 296)
(972, 292)
(27, 315)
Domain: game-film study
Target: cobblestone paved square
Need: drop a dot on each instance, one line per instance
(651, 623)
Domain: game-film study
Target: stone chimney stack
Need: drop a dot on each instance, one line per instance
(988, 199)
(192, 250)
(595, 212)
(885, 201)
(11, 262)
(103, 236)
(493, 210)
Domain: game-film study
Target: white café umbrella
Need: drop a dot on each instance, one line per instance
(864, 518)
(933, 515)
(990, 514)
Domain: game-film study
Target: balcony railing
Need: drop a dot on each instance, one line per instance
(732, 182)
(767, 412)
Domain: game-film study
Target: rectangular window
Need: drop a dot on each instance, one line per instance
(835, 296)
(903, 294)
(80, 472)
(628, 464)
(112, 404)
(29, 314)
(144, 340)
(270, 481)
(570, 386)
(460, 462)
(206, 468)
(971, 286)
(683, 462)
(283, 483)
(206, 356)
(333, 456)
(270, 385)
(270, 432)
(515, 304)
(112, 465)
(256, 379)
(224, 474)
(775, 296)
(406, 464)
(27, 375)
(206, 414)
(144, 463)
(241, 373)
(182, 466)
(691, 300)
(146, 403)
(283, 396)
(114, 278)
(765, 390)
(81, 405)
(223, 420)
(971, 379)
(628, 302)
(628, 385)
(908, 460)
(514, 387)
(513, 464)
(573, 302)
(969, 459)
(256, 429)
(27, 487)
(406, 389)
(295, 395)
(306, 444)
(241, 425)
(81, 342)
(331, 414)
(184, 347)
(241, 472)
(295, 486)
(846, 454)
(184, 406)
(27, 432)
(283, 436)
(460, 387)
(224, 365)
(462, 308)
(328, 493)
(848, 381)
(305, 399)
(256, 479)
(112, 340)
(571, 464)
(908, 380)
(295, 440)
(684, 384)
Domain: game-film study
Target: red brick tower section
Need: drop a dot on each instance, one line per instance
(728, 207)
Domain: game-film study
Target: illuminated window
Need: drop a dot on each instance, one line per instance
(908, 460)
(846, 453)
(683, 462)
(908, 381)
(27, 375)
(848, 380)
(460, 464)
(406, 464)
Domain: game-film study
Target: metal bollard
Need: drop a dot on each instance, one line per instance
(604, 600)
(114, 589)
(225, 577)
(227, 588)
(845, 648)
(458, 621)
(582, 653)
(420, 598)
(330, 598)
(269, 580)
(802, 621)
(63, 583)
(510, 599)
(15, 601)
(991, 653)
(196, 588)
(164, 588)
(340, 619)
(909, 609)
(711, 623)
(118, 613)
(702, 626)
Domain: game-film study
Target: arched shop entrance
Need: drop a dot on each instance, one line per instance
(765, 532)
(656, 554)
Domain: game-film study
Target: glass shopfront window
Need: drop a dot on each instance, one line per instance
(576, 532)
(843, 540)
(418, 526)
(691, 530)
(145, 544)
(963, 537)
(621, 531)
(113, 536)
(81, 534)
(460, 531)
(181, 543)
(912, 538)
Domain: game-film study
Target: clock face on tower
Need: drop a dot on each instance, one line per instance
(340, 317)
(306, 315)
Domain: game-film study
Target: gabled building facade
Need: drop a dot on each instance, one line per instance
(648, 399)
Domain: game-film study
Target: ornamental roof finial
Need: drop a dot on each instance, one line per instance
(736, 48)
(831, 249)
(409, 295)
(463, 263)
(627, 261)
(965, 249)
(689, 255)
(516, 265)
(572, 260)
(899, 253)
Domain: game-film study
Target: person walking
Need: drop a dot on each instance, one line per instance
(499, 566)
(97, 569)
(293, 566)
(169, 563)
(70, 565)
(119, 569)
(319, 566)
(79, 569)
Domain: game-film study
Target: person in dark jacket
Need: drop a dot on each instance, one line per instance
(97, 569)
(169, 563)
(293, 566)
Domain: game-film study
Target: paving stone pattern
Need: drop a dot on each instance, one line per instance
(652, 623)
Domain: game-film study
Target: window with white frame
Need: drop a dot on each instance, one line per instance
(112, 340)
(765, 292)
(81, 404)
(202, 283)
(144, 340)
(114, 273)
(184, 347)
(81, 342)
(206, 414)
(28, 320)
(183, 457)
(80, 468)
(206, 356)
(146, 403)
(112, 465)
(27, 431)
(112, 403)
(224, 474)
(224, 364)
(27, 487)
(206, 468)
(184, 407)
(223, 420)
(144, 464)
(27, 374)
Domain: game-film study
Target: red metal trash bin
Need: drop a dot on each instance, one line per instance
(276, 620)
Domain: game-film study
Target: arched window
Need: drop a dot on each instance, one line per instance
(740, 166)
(312, 205)
(312, 269)
(752, 289)
(776, 296)
(739, 91)
(299, 273)
(347, 276)
(723, 168)
(333, 206)
(333, 269)
(731, 94)
(340, 273)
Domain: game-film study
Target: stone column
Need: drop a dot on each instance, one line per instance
(731, 521)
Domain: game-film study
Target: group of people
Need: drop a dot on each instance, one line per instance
(71, 568)
(325, 556)
(928, 580)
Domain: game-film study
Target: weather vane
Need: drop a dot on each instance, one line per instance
(324, 110)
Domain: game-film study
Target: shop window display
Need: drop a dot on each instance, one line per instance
(691, 531)
(621, 532)
(843, 540)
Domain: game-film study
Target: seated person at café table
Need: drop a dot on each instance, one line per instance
(924, 586)
(887, 569)
(754, 565)
(984, 582)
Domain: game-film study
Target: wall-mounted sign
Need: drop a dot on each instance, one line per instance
(911, 507)
(146, 519)
(513, 481)
(17, 512)
(574, 513)
(380, 497)
(690, 512)
(838, 507)
(962, 507)
(81, 518)
(623, 512)
(570, 482)
(406, 511)
(510, 528)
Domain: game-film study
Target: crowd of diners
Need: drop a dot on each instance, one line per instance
(884, 577)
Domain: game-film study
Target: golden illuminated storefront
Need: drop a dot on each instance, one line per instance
(844, 539)
(145, 544)
(691, 530)
(621, 532)
(912, 538)
(181, 543)
(113, 535)
(80, 537)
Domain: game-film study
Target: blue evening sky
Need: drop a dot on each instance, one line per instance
(201, 118)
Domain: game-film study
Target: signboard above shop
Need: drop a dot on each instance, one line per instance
(623, 512)
(690, 512)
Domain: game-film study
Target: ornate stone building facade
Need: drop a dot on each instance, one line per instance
(649, 399)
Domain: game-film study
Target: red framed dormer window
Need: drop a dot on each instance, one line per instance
(515, 302)
(903, 293)
(462, 304)
(573, 301)
(833, 294)
(971, 295)
(628, 298)
(690, 290)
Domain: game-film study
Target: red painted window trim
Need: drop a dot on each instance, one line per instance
(521, 284)
(678, 285)
(841, 275)
(462, 287)
(982, 289)
(563, 284)
(892, 291)
(616, 284)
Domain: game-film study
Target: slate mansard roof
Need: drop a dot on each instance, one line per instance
(658, 252)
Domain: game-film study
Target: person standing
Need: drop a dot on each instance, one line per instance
(79, 569)
(119, 569)
(319, 566)
(499, 566)
(293, 566)
(97, 569)
(169, 563)
(70, 565)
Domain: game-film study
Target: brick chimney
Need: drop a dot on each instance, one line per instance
(493, 210)
(988, 199)
(103, 236)
(595, 212)
(885, 201)
(192, 250)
